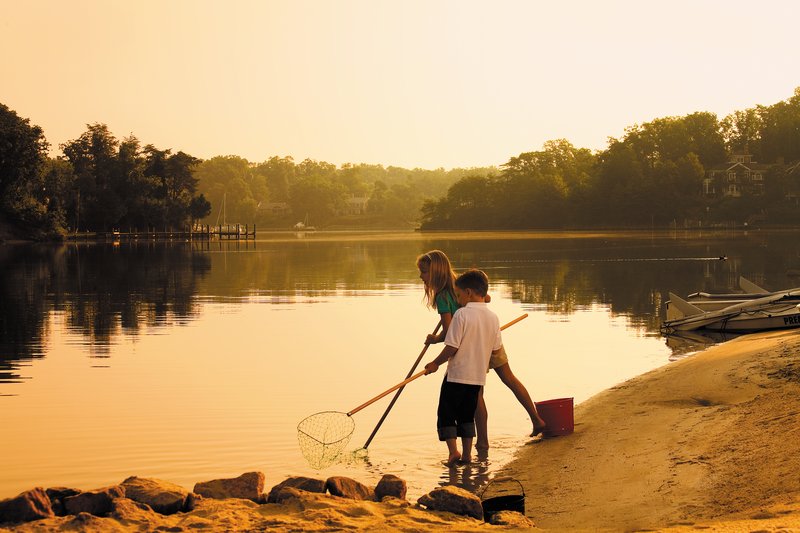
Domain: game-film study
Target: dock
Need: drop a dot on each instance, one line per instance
(197, 232)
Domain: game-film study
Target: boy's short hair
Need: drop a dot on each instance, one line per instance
(474, 279)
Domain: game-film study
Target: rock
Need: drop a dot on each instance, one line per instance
(511, 518)
(390, 485)
(283, 495)
(303, 483)
(129, 511)
(192, 501)
(249, 486)
(162, 497)
(349, 488)
(454, 500)
(30, 505)
(57, 495)
(95, 502)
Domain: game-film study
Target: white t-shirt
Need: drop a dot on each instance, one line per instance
(475, 331)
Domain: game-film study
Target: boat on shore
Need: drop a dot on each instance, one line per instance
(777, 310)
(707, 301)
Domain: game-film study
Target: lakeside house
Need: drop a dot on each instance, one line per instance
(739, 176)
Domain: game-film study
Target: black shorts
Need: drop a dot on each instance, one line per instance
(456, 413)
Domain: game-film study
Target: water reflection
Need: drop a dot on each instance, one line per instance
(683, 343)
(206, 355)
(104, 291)
(108, 292)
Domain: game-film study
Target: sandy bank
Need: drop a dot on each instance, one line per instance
(713, 437)
(709, 442)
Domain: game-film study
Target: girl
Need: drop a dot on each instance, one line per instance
(438, 277)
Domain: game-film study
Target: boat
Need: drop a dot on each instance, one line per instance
(777, 310)
(714, 301)
(303, 226)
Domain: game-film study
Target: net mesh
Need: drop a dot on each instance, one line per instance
(323, 437)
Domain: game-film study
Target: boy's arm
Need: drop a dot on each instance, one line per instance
(447, 353)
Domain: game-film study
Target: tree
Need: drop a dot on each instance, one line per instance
(279, 174)
(94, 159)
(22, 155)
(316, 196)
(199, 208)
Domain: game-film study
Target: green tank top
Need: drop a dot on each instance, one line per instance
(446, 303)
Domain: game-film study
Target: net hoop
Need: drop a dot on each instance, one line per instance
(323, 437)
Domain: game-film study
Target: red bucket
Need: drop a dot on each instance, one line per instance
(558, 416)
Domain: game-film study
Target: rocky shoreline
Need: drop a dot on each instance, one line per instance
(241, 504)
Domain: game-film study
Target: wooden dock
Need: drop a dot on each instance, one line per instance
(198, 232)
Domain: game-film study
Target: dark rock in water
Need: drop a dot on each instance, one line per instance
(95, 502)
(30, 505)
(249, 486)
(453, 499)
(57, 495)
(391, 485)
(162, 497)
(302, 483)
(349, 488)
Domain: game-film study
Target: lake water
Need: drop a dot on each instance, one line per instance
(194, 361)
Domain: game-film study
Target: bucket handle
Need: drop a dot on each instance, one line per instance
(499, 480)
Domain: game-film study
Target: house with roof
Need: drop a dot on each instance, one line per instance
(740, 176)
(355, 204)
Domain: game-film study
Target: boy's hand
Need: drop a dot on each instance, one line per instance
(431, 339)
(431, 367)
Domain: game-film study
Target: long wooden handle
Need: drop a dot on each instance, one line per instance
(400, 390)
(415, 376)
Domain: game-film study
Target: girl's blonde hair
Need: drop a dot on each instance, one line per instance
(442, 277)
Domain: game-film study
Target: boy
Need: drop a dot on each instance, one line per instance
(473, 336)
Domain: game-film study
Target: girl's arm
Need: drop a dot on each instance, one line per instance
(446, 319)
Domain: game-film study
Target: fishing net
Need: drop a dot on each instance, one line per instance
(323, 437)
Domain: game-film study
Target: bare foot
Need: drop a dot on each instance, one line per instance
(539, 426)
(453, 459)
(465, 460)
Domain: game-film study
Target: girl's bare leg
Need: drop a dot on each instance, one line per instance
(481, 424)
(519, 390)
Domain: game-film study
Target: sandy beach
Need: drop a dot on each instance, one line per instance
(708, 442)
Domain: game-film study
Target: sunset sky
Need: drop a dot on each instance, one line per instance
(408, 83)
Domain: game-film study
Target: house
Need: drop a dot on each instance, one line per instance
(739, 176)
(355, 204)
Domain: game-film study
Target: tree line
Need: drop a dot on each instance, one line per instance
(652, 176)
(99, 184)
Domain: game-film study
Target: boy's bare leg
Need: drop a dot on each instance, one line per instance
(519, 390)
(466, 449)
(452, 450)
(482, 424)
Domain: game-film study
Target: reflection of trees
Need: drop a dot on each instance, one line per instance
(102, 290)
(23, 289)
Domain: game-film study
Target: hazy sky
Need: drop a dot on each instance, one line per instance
(408, 83)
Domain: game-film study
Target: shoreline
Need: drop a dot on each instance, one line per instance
(709, 439)
(707, 442)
